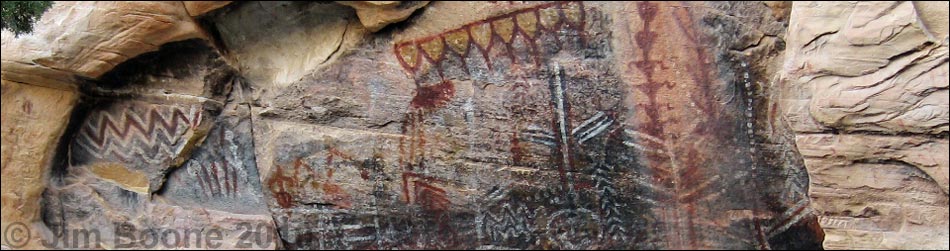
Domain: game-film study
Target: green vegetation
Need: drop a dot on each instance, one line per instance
(19, 16)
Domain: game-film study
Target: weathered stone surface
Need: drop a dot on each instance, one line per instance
(917, 152)
(879, 191)
(529, 125)
(99, 36)
(33, 120)
(131, 142)
(128, 220)
(198, 8)
(894, 86)
(162, 144)
(311, 36)
(176, 96)
(374, 15)
(503, 124)
(934, 18)
(866, 92)
(222, 173)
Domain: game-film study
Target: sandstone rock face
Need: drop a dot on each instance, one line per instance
(312, 36)
(34, 119)
(163, 143)
(477, 125)
(529, 125)
(90, 38)
(374, 15)
(198, 8)
(867, 97)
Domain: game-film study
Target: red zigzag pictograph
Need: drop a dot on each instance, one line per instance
(529, 24)
(151, 136)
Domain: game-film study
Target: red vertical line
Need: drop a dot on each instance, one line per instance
(214, 175)
(221, 139)
(421, 142)
(234, 178)
(201, 182)
(412, 139)
(329, 157)
(677, 229)
(207, 179)
(402, 140)
(227, 178)
(278, 173)
(27, 107)
(405, 187)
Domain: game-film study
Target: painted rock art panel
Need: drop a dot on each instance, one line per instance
(222, 173)
(523, 129)
(137, 141)
(470, 125)
(136, 165)
(33, 119)
(333, 188)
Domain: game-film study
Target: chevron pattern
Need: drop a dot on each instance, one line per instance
(529, 24)
(510, 222)
(127, 135)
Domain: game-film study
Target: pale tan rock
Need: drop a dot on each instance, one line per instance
(374, 15)
(865, 88)
(934, 15)
(855, 149)
(33, 119)
(90, 38)
(198, 8)
(311, 36)
(131, 180)
(879, 192)
(123, 221)
(329, 103)
(869, 67)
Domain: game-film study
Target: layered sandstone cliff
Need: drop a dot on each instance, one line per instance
(508, 124)
(867, 96)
